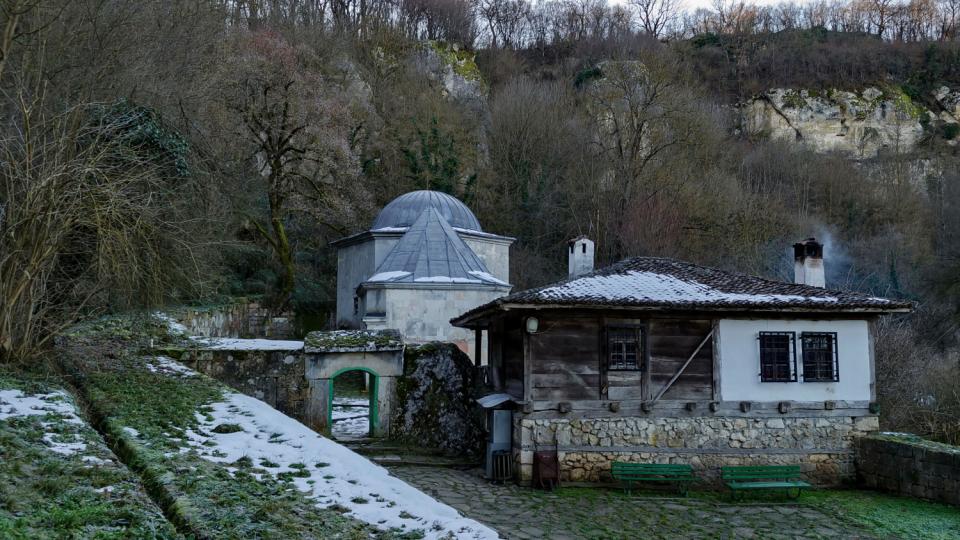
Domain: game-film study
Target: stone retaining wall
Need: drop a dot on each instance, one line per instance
(274, 377)
(821, 445)
(909, 465)
(238, 320)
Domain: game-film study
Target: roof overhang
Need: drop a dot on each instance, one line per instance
(434, 285)
(367, 235)
(397, 232)
(480, 317)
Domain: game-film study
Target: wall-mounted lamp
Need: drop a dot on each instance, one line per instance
(533, 324)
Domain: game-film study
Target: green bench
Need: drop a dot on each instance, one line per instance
(630, 473)
(786, 477)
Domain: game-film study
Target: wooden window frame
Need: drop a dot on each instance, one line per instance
(792, 356)
(833, 362)
(640, 331)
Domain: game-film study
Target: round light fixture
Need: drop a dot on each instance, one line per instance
(532, 325)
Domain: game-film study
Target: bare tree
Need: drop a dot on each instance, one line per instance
(89, 223)
(656, 16)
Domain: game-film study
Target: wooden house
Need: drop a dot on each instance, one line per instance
(659, 360)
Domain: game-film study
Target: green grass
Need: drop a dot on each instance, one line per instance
(890, 516)
(201, 496)
(44, 494)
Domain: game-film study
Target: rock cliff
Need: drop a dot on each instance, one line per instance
(861, 124)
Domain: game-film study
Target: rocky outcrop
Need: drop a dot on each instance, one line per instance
(455, 70)
(435, 406)
(861, 125)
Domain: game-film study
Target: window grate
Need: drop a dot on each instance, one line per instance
(778, 359)
(820, 360)
(624, 348)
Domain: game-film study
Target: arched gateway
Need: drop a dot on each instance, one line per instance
(330, 354)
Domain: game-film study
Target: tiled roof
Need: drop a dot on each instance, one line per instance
(432, 252)
(651, 282)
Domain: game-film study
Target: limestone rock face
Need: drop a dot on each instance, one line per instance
(861, 125)
(456, 71)
(949, 100)
(435, 404)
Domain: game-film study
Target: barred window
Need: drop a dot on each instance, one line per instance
(625, 348)
(778, 361)
(820, 357)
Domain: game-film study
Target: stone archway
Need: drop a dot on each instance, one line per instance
(372, 397)
(328, 354)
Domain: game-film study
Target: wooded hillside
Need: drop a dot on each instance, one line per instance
(178, 151)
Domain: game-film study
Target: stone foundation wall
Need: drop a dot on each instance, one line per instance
(822, 445)
(910, 466)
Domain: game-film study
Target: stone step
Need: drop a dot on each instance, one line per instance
(402, 460)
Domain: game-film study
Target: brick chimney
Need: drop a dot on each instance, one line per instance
(808, 263)
(580, 256)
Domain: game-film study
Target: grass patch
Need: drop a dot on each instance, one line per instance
(227, 428)
(890, 515)
(88, 494)
(202, 497)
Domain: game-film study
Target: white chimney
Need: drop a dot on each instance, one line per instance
(808, 263)
(580, 256)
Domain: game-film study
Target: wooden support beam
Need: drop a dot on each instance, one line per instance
(682, 368)
(478, 350)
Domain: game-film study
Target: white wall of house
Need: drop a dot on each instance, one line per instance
(739, 361)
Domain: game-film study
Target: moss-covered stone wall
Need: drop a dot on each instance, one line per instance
(435, 405)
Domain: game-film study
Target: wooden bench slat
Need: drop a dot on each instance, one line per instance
(629, 472)
(767, 485)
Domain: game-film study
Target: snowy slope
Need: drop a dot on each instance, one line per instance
(334, 475)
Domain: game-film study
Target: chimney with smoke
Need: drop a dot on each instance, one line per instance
(808, 263)
(580, 256)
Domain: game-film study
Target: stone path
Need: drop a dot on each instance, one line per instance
(598, 513)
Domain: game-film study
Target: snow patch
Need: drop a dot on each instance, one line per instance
(65, 448)
(168, 366)
(14, 403)
(640, 286)
(486, 276)
(350, 416)
(445, 279)
(334, 475)
(172, 324)
(130, 431)
(389, 276)
(236, 344)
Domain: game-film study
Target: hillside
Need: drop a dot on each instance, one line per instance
(197, 151)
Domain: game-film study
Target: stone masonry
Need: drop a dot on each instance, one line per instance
(909, 465)
(822, 445)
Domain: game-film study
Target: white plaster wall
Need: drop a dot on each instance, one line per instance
(740, 361)
(355, 264)
(423, 315)
(495, 255)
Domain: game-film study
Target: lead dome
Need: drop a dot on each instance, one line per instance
(403, 211)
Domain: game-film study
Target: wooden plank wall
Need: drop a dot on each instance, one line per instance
(512, 358)
(671, 343)
(566, 358)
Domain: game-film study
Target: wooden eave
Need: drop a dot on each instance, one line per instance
(481, 318)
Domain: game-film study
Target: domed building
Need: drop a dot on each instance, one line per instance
(424, 261)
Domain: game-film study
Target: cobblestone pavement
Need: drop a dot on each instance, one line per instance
(599, 513)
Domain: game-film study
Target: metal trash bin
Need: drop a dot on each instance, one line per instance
(502, 466)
